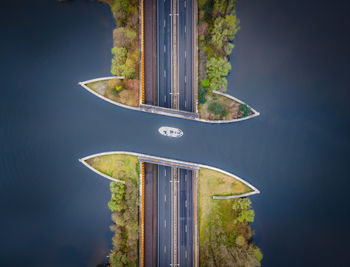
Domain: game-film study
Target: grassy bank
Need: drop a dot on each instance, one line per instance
(123, 204)
(225, 236)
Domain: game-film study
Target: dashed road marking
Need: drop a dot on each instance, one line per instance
(164, 223)
(164, 198)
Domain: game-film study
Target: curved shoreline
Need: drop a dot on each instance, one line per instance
(163, 112)
(174, 162)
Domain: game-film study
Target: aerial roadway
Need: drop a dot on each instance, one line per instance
(185, 54)
(164, 10)
(185, 219)
(164, 216)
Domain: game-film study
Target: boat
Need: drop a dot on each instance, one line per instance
(170, 131)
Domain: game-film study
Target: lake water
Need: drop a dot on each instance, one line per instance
(291, 63)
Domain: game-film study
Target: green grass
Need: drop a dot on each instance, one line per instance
(117, 166)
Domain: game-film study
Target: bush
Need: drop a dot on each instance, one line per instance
(202, 92)
(216, 108)
(205, 83)
(244, 110)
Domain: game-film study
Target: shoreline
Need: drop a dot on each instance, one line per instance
(170, 162)
(163, 111)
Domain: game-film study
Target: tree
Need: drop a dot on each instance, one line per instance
(124, 37)
(224, 30)
(242, 208)
(217, 70)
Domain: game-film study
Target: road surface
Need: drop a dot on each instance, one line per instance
(164, 216)
(150, 37)
(185, 219)
(164, 53)
(150, 223)
(185, 54)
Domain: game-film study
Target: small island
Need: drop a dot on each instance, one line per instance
(173, 65)
(158, 203)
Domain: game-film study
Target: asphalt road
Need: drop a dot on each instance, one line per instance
(164, 52)
(164, 216)
(185, 220)
(150, 250)
(185, 54)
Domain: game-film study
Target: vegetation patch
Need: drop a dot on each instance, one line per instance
(125, 51)
(218, 107)
(118, 90)
(124, 206)
(225, 236)
(218, 26)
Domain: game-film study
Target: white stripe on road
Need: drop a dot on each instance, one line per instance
(185, 28)
(186, 228)
(164, 223)
(185, 78)
(164, 249)
(164, 48)
(164, 198)
(186, 203)
(164, 73)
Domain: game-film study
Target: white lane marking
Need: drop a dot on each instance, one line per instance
(185, 28)
(185, 54)
(185, 104)
(186, 254)
(186, 228)
(164, 169)
(185, 78)
(185, 178)
(164, 73)
(164, 249)
(165, 101)
(164, 198)
(164, 223)
(186, 203)
(164, 23)
(164, 48)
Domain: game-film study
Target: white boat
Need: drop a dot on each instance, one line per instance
(170, 131)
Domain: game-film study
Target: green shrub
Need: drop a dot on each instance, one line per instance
(216, 108)
(202, 92)
(244, 110)
(205, 82)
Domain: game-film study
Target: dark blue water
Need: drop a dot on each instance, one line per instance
(291, 63)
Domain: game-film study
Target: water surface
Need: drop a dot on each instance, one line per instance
(291, 63)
